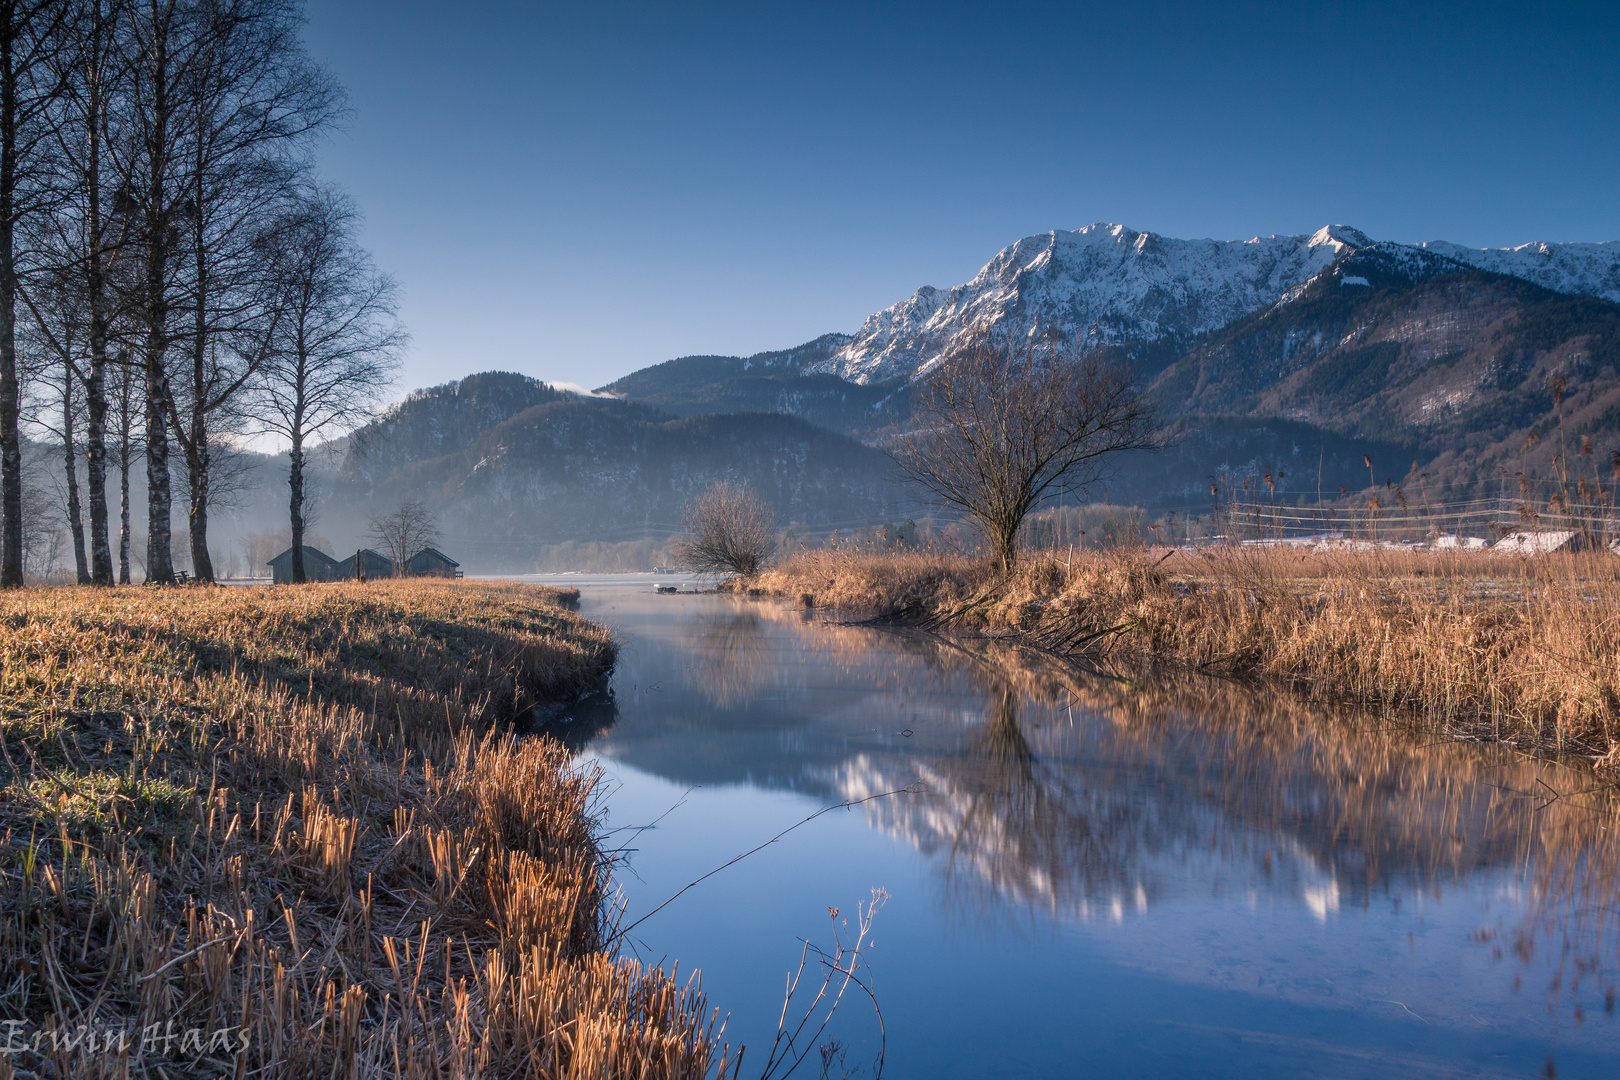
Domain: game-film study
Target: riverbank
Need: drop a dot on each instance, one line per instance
(1473, 645)
(288, 832)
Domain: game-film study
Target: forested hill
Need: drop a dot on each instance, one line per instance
(1453, 368)
(509, 463)
(765, 382)
(449, 418)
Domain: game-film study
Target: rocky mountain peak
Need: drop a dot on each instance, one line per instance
(1105, 284)
(1344, 237)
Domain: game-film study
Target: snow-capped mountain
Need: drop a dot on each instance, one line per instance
(1588, 269)
(1105, 283)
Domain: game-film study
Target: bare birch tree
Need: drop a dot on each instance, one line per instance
(157, 45)
(82, 237)
(55, 352)
(254, 100)
(124, 407)
(72, 506)
(27, 32)
(336, 344)
(997, 431)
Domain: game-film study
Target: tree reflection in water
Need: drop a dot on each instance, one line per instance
(1085, 795)
(1014, 826)
(1172, 783)
(733, 656)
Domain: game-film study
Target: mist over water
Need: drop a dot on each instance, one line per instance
(1110, 874)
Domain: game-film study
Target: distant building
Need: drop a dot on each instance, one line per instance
(431, 562)
(372, 564)
(318, 566)
(1544, 543)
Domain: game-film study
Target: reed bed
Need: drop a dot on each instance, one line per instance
(289, 832)
(1525, 651)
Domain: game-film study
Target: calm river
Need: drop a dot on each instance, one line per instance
(1092, 877)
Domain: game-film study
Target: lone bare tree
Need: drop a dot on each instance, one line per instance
(404, 532)
(729, 529)
(998, 431)
(336, 342)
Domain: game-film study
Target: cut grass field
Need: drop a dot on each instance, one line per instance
(288, 832)
(1524, 651)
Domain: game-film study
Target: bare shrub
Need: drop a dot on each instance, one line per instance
(1001, 430)
(728, 530)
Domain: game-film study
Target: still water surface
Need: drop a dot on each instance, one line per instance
(1094, 877)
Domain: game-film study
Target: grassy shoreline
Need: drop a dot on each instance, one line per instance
(294, 822)
(1474, 645)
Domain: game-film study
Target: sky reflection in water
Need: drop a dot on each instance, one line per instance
(1096, 877)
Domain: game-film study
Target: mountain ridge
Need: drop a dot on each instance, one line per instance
(1342, 346)
(1417, 352)
(1102, 284)
(1107, 284)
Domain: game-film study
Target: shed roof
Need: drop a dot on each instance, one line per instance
(369, 554)
(309, 553)
(434, 553)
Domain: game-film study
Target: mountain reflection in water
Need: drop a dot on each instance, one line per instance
(1038, 791)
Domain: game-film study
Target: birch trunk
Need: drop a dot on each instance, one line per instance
(155, 313)
(295, 506)
(11, 533)
(70, 470)
(95, 436)
(126, 420)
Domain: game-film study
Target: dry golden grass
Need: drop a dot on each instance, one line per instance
(292, 822)
(1525, 651)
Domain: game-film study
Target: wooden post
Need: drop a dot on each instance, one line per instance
(359, 571)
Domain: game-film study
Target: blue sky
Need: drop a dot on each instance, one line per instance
(578, 191)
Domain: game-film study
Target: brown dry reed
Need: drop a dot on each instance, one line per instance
(1525, 651)
(291, 828)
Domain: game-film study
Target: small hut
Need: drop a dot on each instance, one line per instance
(318, 566)
(372, 565)
(431, 562)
